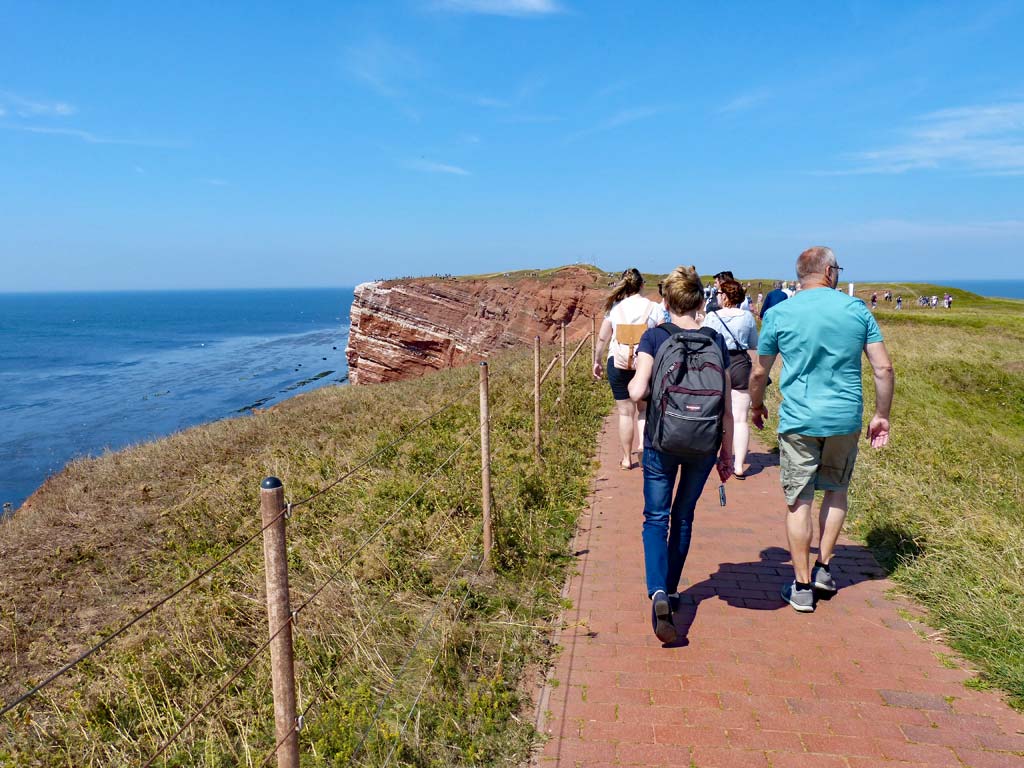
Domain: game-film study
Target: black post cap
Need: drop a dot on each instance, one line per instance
(271, 483)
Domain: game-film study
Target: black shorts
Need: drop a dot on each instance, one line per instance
(619, 380)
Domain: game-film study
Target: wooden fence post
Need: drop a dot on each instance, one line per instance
(593, 339)
(279, 613)
(536, 398)
(561, 388)
(485, 460)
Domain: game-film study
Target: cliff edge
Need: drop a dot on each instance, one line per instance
(401, 329)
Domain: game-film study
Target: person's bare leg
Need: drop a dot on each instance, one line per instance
(627, 423)
(641, 421)
(830, 521)
(798, 530)
(740, 428)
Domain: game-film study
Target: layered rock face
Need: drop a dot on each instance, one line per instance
(403, 328)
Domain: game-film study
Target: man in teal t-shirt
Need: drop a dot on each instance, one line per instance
(821, 334)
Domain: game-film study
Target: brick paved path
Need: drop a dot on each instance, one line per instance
(753, 683)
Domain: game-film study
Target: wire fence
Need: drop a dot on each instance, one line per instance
(289, 722)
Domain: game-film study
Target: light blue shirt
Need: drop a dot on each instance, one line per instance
(821, 335)
(736, 325)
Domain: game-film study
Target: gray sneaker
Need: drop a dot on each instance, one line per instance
(661, 617)
(822, 580)
(801, 599)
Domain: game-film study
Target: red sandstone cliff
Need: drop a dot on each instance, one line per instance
(404, 328)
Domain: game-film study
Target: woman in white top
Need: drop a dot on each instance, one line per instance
(627, 315)
(740, 331)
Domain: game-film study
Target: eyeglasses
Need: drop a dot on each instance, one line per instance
(836, 267)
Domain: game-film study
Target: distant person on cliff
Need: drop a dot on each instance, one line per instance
(739, 329)
(899, 301)
(821, 334)
(627, 315)
(775, 296)
(668, 520)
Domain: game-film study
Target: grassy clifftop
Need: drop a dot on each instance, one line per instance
(942, 506)
(108, 536)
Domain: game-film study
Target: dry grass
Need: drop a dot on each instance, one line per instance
(108, 536)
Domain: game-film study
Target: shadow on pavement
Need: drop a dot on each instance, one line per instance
(757, 585)
(759, 462)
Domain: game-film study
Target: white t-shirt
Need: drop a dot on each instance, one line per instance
(633, 310)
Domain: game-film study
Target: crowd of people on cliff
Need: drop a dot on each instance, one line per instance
(688, 373)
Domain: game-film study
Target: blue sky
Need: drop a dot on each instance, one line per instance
(213, 145)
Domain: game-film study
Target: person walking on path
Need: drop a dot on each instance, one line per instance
(821, 334)
(668, 519)
(627, 315)
(739, 329)
(775, 296)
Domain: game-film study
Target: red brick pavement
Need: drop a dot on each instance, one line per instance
(853, 685)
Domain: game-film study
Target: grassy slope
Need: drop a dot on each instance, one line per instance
(943, 505)
(149, 517)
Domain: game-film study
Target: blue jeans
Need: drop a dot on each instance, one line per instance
(668, 522)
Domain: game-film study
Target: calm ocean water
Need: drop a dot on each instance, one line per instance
(1004, 289)
(80, 373)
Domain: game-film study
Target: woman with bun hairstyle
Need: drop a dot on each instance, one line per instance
(627, 315)
(738, 328)
(672, 484)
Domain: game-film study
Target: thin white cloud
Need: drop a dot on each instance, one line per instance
(428, 166)
(745, 101)
(520, 8)
(984, 139)
(619, 119)
(91, 138)
(488, 103)
(24, 107)
(527, 119)
(385, 68)
(381, 65)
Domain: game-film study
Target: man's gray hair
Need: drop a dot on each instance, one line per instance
(814, 261)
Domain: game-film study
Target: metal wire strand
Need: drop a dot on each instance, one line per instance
(195, 715)
(83, 656)
(322, 688)
(430, 673)
(387, 447)
(390, 519)
(408, 658)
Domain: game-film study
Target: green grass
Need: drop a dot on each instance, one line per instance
(153, 515)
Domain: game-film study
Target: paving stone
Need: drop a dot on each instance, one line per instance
(751, 682)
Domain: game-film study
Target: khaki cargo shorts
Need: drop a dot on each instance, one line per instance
(810, 464)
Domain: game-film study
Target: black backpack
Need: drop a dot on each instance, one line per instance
(687, 401)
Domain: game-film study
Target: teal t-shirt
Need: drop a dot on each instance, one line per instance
(820, 334)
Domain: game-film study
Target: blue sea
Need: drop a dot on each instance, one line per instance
(1003, 289)
(83, 372)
